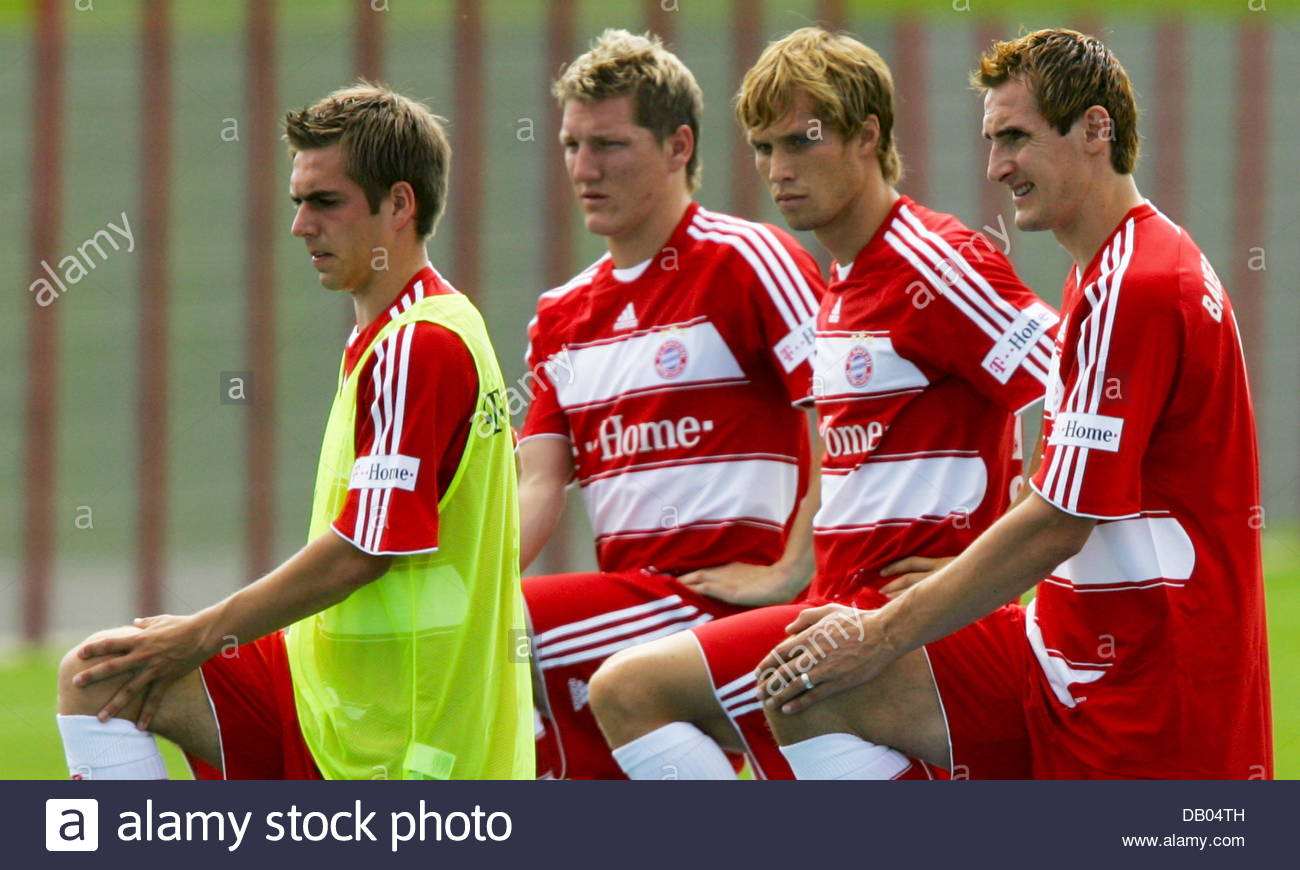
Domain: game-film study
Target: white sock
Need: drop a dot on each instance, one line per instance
(843, 756)
(115, 749)
(678, 750)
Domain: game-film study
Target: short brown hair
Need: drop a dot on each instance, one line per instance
(846, 81)
(665, 93)
(1068, 72)
(386, 138)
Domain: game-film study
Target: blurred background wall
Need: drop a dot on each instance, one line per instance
(134, 481)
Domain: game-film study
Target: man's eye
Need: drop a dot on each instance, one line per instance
(763, 148)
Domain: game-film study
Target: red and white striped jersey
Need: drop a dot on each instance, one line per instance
(928, 346)
(415, 400)
(674, 382)
(1152, 639)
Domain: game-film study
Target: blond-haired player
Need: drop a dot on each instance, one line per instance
(1143, 654)
(668, 369)
(927, 348)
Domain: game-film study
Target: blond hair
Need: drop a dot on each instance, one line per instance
(386, 138)
(846, 81)
(664, 92)
(1068, 72)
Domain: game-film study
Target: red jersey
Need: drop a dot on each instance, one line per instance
(1152, 640)
(415, 401)
(928, 346)
(674, 381)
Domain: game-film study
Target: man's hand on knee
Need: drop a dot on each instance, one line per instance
(164, 649)
(832, 649)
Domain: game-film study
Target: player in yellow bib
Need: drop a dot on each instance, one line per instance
(392, 646)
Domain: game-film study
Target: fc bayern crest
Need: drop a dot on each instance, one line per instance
(670, 359)
(858, 367)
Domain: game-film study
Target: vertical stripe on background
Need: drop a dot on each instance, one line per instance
(367, 63)
(993, 198)
(41, 437)
(368, 45)
(1254, 68)
(468, 147)
(263, 191)
(1089, 24)
(830, 14)
(661, 18)
(155, 201)
(911, 122)
(1169, 114)
(557, 218)
(746, 45)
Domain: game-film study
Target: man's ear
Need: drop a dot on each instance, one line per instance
(869, 134)
(681, 145)
(1098, 129)
(401, 198)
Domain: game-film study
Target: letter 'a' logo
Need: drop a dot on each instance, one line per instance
(71, 825)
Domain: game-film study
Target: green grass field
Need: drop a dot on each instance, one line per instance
(32, 749)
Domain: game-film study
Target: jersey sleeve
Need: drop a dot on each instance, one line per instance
(415, 403)
(545, 417)
(1116, 377)
(991, 330)
(787, 290)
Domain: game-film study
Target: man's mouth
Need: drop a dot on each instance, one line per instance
(1022, 189)
(788, 198)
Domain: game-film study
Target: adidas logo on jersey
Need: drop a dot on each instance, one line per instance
(627, 319)
(835, 312)
(578, 693)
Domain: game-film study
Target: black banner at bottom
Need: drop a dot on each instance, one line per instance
(597, 824)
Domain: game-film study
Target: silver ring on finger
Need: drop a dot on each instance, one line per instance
(807, 681)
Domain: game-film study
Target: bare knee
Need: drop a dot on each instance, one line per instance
(643, 688)
(74, 700)
(621, 691)
(899, 708)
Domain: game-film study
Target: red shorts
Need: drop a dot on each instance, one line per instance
(732, 649)
(579, 620)
(252, 699)
(994, 698)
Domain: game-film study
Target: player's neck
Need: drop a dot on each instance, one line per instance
(1107, 205)
(646, 239)
(370, 300)
(849, 232)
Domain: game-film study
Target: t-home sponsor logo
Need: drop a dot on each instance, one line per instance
(615, 440)
(71, 825)
(385, 472)
(1018, 340)
(1087, 430)
(855, 439)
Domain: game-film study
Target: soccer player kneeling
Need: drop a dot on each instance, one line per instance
(399, 607)
(927, 348)
(1143, 654)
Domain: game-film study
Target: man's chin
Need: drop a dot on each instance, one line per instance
(1030, 222)
(600, 225)
(801, 222)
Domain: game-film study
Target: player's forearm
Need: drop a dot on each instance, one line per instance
(320, 575)
(797, 560)
(1015, 553)
(541, 504)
